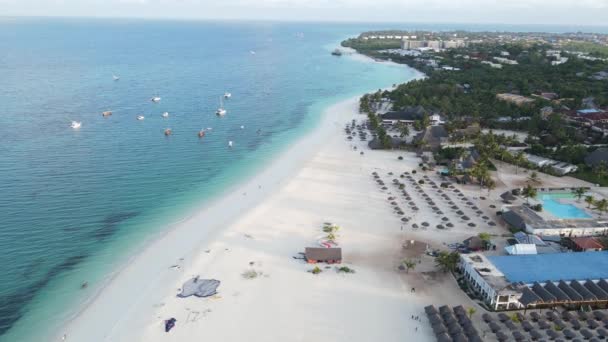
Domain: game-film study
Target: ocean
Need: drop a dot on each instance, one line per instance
(76, 204)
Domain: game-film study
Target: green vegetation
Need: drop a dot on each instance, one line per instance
(409, 264)
(447, 261)
(579, 193)
(316, 270)
(344, 269)
(471, 311)
(591, 48)
(529, 192)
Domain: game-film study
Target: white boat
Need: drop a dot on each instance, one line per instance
(155, 99)
(252, 52)
(140, 117)
(165, 115)
(106, 113)
(209, 128)
(242, 127)
(230, 143)
(115, 78)
(221, 111)
(227, 95)
(76, 124)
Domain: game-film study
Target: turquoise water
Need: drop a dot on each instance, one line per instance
(562, 210)
(75, 204)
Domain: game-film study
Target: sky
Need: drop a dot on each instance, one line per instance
(568, 12)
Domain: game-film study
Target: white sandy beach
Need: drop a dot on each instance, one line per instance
(261, 226)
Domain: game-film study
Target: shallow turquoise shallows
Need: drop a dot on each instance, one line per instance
(76, 203)
(562, 210)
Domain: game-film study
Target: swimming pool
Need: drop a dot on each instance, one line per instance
(562, 210)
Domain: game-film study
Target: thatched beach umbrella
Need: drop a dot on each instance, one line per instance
(471, 224)
(469, 203)
(527, 325)
(599, 315)
(485, 217)
(503, 317)
(494, 327)
(491, 223)
(543, 324)
(479, 212)
(425, 224)
(553, 334)
(567, 315)
(592, 324)
(502, 337)
(602, 332)
(585, 332)
(415, 226)
(394, 203)
(440, 226)
(535, 316)
(415, 208)
(450, 225)
(465, 217)
(535, 334)
(430, 310)
(571, 334)
(518, 336)
(487, 317)
(445, 218)
(575, 324)
(404, 219)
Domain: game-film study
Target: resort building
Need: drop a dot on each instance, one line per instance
(597, 157)
(524, 218)
(410, 115)
(515, 99)
(523, 281)
(560, 168)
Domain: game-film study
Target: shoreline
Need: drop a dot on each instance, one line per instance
(99, 307)
(271, 177)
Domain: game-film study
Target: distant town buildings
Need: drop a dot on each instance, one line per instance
(412, 44)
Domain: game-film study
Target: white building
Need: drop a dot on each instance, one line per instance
(489, 282)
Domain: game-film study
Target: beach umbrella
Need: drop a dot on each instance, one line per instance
(551, 316)
(471, 224)
(494, 326)
(527, 325)
(404, 219)
(430, 310)
(586, 333)
(415, 208)
(485, 217)
(435, 319)
(570, 334)
(552, 334)
(450, 225)
(535, 334)
(567, 315)
(425, 224)
(602, 332)
(535, 316)
(592, 324)
(455, 207)
(439, 212)
(599, 315)
(391, 198)
(487, 317)
(434, 208)
(414, 226)
(460, 338)
(464, 217)
(518, 336)
(470, 203)
(510, 325)
(543, 324)
(444, 338)
(583, 316)
(491, 223)
(394, 203)
(479, 212)
(501, 336)
(474, 208)
(492, 206)
(384, 188)
(460, 212)
(439, 226)
(575, 323)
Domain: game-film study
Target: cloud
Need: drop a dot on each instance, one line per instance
(580, 12)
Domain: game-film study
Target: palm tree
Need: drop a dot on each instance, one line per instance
(447, 261)
(520, 159)
(601, 205)
(529, 192)
(471, 311)
(533, 178)
(404, 130)
(579, 193)
(601, 169)
(491, 185)
(409, 265)
(590, 200)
